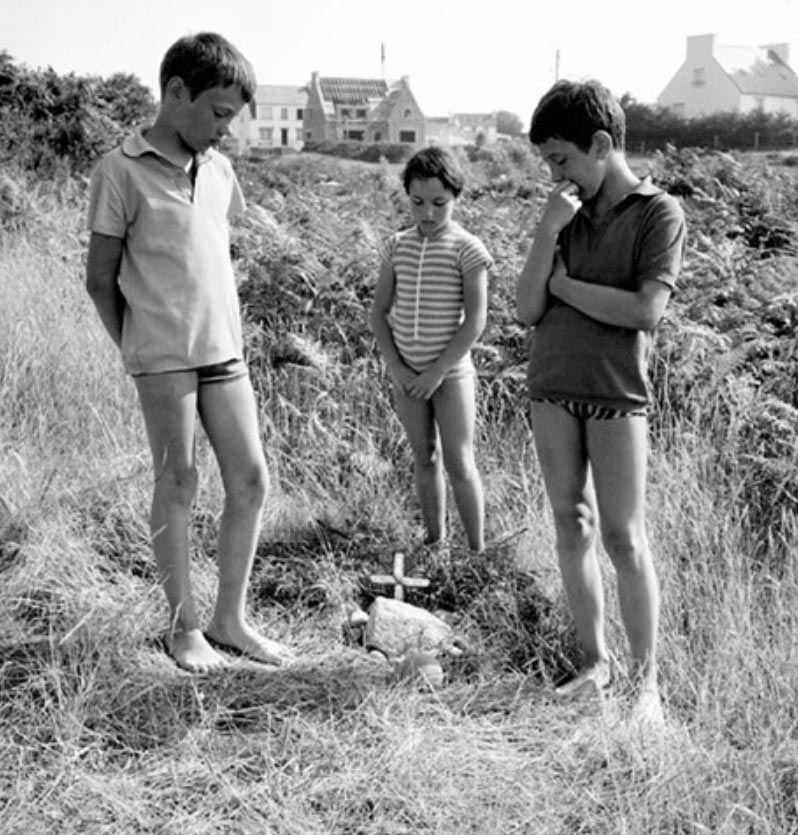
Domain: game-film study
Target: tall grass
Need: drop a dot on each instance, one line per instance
(100, 733)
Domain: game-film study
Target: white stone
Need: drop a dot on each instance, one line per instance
(396, 628)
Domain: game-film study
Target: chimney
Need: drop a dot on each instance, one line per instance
(700, 47)
(780, 51)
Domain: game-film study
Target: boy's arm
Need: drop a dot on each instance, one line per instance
(636, 309)
(659, 260)
(531, 295)
(475, 308)
(102, 272)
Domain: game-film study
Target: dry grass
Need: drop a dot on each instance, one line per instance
(100, 733)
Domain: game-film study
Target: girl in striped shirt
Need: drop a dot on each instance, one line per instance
(430, 307)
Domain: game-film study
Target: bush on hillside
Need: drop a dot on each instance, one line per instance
(51, 122)
(393, 152)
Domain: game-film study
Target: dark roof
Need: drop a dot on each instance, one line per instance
(281, 94)
(352, 90)
(758, 71)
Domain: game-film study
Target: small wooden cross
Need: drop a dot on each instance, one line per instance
(398, 579)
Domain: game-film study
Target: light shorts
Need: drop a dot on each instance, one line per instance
(218, 372)
(592, 411)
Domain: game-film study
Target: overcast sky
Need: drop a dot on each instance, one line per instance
(460, 55)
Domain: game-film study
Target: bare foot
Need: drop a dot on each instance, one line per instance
(588, 683)
(244, 640)
(190, 651)
(647, 709)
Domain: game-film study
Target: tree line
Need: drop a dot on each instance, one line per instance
(51, 122)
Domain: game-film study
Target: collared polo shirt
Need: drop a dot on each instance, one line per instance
(176, 275)
(576, 357)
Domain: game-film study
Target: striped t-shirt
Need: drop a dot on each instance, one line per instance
(428, 296)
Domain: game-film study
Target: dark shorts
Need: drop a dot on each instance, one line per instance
(219, 372)
(591, 411)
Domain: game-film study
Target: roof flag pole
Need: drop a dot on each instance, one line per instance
(382, 59)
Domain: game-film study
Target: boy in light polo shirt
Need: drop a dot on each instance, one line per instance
(605, 258)
(160, 276)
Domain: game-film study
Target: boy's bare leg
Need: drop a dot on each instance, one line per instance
(168, 402)
(229, 415)
(418, 418)
(618, 450)
(560, 443)
(455, 413)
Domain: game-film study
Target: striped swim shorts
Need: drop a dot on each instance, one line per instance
(592, 411)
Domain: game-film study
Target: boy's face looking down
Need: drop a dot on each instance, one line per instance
(585, 169)
(203, 122)
(431, 204)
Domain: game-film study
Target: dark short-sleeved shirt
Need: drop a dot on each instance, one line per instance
(575, 357)
(182, 307)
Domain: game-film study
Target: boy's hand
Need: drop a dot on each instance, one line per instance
(562, 205)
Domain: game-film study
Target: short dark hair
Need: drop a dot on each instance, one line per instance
(208, 60)
(574, 111)
(434, 162)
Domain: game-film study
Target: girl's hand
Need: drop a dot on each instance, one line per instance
(424, 385)
(562, 205)
(402, 376)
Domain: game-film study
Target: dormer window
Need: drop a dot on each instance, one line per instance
(699, 77)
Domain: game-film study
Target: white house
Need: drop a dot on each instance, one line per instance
(717, 78)
(273, 119)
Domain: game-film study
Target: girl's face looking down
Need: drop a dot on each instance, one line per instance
(431, 205)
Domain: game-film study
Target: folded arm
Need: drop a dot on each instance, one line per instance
(532, 291)
(639, 309)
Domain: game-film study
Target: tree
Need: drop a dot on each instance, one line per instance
(508, 123)
(50, 122)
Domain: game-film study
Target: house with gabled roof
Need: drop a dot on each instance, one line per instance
(362, 110)
(273, 120)
(718, 77)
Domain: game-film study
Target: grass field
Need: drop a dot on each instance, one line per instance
(100, 733)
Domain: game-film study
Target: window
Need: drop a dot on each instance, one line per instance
(284, 114)
(300, 114)
(346, 113)
(408, 113)
(699, 77)
(407, 136)
(354, 135)
(266, 135)
(378, 136)
(265, 111)
(299, 134)
(360, 113)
